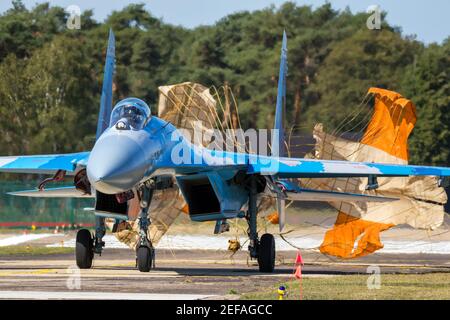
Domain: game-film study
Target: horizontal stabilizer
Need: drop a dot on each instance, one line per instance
(319, 195)
(63, 192)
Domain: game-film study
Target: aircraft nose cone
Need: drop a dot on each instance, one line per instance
(116, 164)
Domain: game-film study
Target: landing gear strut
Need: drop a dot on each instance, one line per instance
(145, 253)
(100, 231)
(263, 250)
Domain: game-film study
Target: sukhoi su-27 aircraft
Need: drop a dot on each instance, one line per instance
(135, 154)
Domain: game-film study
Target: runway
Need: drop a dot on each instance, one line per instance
(182, 274)
(84, 295)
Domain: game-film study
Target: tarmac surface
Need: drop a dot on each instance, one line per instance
(182, 274)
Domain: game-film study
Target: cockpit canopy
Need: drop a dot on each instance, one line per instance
(130, 113)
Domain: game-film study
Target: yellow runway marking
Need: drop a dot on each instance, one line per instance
(27, 272)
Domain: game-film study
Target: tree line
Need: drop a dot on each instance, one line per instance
(50, 76)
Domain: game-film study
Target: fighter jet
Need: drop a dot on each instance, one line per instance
(136, 153)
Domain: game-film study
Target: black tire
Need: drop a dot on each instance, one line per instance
(144, 259)
(266, 253)
(84, 249)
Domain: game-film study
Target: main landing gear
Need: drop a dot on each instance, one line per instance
(261, 249)
(84, 249)
(86, 245)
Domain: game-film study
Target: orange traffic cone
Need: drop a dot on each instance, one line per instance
(298, 271)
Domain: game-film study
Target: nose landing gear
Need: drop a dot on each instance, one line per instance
(145, 258)
(145, 253)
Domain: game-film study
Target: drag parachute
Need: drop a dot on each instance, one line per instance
(356, 231)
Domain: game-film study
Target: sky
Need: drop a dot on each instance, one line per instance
(428, 20)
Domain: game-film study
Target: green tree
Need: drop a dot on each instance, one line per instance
(427, 84)
(51, 77)
(365, 59)
(47, 103)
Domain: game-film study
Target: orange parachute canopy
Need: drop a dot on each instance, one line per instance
(391, 124)
(384, 140)
(340, 241)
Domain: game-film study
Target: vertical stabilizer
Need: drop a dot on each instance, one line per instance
(278, 144)
(107, 89)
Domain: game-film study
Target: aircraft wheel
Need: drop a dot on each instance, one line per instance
(84, 249)
(266, 253)
(144, 259)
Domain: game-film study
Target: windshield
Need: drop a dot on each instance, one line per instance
(130, 114)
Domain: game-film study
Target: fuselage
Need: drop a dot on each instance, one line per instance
(137, 146)
(121, 159)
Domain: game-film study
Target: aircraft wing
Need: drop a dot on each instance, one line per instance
(320, 195)
(63, 192)
(44, 164)
(310, 168)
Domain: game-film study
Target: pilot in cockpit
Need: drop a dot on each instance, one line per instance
(130, 113)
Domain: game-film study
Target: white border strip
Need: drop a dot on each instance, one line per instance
(14, 240)
(87, 295)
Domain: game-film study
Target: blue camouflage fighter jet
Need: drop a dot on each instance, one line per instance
(136, 153)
